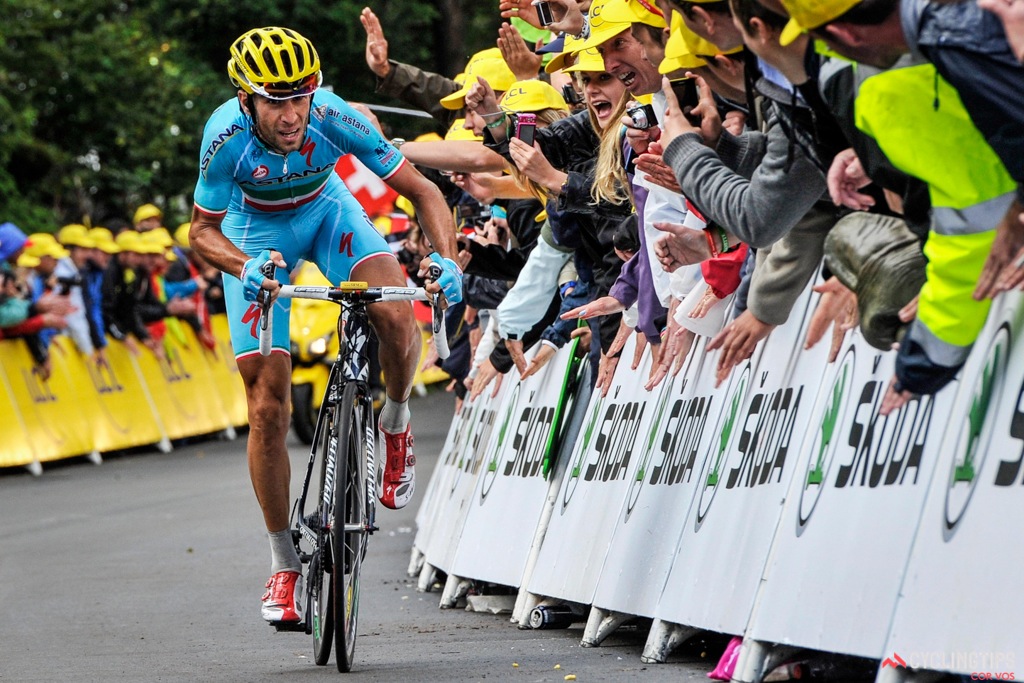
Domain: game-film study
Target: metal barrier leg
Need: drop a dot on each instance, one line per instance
(428, 573)
(455, 588)
(663, 638)
(416, 562)
(35, 468)
(528, 602)
(95, 458)
(600, 624)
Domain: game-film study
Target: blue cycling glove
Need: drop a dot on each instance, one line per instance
(251, 277)
(450, 279)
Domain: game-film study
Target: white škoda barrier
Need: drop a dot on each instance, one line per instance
(779, 506)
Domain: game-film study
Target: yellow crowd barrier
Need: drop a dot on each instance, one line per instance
(86, 408)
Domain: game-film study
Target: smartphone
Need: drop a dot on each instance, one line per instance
(544, 15)
(526, 125)
(688, 96)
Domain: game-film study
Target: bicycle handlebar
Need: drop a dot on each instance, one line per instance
(359, 293)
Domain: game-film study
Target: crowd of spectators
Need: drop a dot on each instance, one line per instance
(696, 164)
(677, 169)
(134, 283)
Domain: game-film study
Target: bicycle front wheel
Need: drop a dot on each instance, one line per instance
(352, 525)
(319, 585)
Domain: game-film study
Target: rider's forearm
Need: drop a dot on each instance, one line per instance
(462, 156)
(207, 240)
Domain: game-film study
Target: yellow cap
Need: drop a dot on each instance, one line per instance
(104, 240)
(601, 29)
(181, 234)
(44, 244)
(570, 47)
(129, 240)
(458, 131)
(27, 261)
(635, 12)
(588, 60)
(699, 47)
(146, 211)
(160, 236)
(807, 14)
(533, 95)
(152, 242)
(76, 235)
(677, 54)
(487, 65)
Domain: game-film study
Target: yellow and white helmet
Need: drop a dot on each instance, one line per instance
(276, 63)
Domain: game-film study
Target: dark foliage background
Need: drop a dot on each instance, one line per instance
(102, 103)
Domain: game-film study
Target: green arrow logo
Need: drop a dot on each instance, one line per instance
(828, 426)
(723, 438)
(979, 409)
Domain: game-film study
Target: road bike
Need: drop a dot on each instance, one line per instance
(331, 527)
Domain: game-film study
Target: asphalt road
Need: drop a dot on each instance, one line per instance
(150, 568)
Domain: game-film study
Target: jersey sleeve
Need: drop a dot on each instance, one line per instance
(216, 165)
(354, 134)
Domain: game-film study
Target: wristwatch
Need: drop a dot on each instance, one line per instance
(397, 142)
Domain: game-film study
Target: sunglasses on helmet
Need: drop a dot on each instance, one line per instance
(286, 90)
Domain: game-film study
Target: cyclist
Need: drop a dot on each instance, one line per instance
(267, 192)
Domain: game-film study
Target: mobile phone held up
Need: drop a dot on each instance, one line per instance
(526, 125)
(544, 15)
(686, 93)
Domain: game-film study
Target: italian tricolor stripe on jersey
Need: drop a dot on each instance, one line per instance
(283, 198)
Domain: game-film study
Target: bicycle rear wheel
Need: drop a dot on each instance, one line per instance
(351, 528)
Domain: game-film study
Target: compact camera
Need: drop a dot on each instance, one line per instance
(544, 15)
(643, 116)
(526, 126)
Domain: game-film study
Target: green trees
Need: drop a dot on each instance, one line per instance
(102, 102)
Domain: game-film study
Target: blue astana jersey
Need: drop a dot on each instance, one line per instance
(238, 173)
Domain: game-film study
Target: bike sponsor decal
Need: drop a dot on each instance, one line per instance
(975, 436)
(307, 151)
(345, 243)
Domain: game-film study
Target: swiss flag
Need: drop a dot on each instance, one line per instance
(366, 186)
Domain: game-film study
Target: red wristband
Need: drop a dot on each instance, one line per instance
(711, 242)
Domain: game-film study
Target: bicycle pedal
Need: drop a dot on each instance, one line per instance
(289, 626)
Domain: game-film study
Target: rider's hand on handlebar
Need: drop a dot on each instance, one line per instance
(450, 280)
(253, 279)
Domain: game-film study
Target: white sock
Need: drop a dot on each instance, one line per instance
(395, 416)
(282, 552)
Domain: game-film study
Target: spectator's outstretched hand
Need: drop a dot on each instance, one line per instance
(1004, 267)
(515, 350)
(680, 246)
(484, 376)
(606, 305)
(737, 341)
(837, 309)
(657, 171)
(893, 400)
(846, 177)
(523, 62)
(376, 44)
(545, 353)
